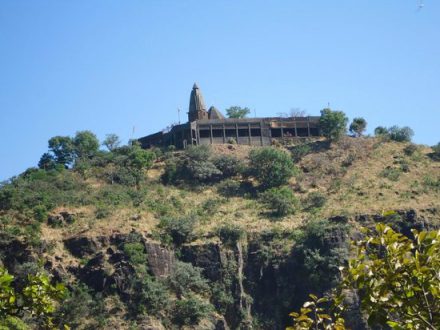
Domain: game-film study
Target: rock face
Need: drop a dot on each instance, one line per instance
(262, 281)
(160, 260)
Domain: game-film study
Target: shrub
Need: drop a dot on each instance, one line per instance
(149, 296)
(135, 252)
(281, 201)
(410, 149)
(299, 151)
(185, 278)
(380, 131)
(191, 310)
(229, 166)
(391, 173)
(271, 167)
(231, 234)
(102, 212)
(180, 230)
(315, 200)
(400, 134)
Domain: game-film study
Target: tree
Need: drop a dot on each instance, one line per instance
(111, 142)
(271, 167)
(380, 131)
(47, 161)
(237, 112)
(86, 144)
(37, 299)
(333, 124)
(358, 126)
(397, 278)
(63, 149)
(400, 134)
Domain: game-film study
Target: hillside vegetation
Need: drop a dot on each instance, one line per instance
(210, 237)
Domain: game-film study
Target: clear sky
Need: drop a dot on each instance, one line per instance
(109, 66)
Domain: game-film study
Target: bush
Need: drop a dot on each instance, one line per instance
(281, 201)
(185, 278)
(135, 252)
(231, 234)
(180, 230)
(191, 310)
(315, 200)
(391, 173)
(149, 296)
(410, 149)
(400, 134)
(299, 151)
(271, 167)
(228, 165)
(380, 131)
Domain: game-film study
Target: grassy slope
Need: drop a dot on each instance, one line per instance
(349, 174)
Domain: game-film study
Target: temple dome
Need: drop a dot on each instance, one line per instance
(214, 113)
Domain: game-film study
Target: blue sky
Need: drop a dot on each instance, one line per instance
(109, 66)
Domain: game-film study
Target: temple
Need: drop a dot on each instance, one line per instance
(211, 127)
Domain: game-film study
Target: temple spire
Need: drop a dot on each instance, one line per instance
(197, 108)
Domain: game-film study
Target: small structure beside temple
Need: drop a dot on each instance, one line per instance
(211, 127)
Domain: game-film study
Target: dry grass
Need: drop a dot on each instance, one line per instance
(348, 174)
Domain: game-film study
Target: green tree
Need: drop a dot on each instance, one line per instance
(271, 167)
(358, 126)
(400, 134)
(111, 142)
(397, 278)
(237, 112)
(63, 149)
(380, 131)
(47, 161)
(38, 299)
(86, 144)
(333, 124)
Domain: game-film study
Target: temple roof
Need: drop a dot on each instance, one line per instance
(214, 113)
(196, 102)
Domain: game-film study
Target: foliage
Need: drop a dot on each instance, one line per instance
(230, 166)
(358, 126)
(230, 234)
(149, 295)
(47, 161)
(315, 200)
(38, 298)
(391, 173)
(191, 310)
(410, 149)
(400, 134)
(86, 144)
(281, 201)
(194, 166)
(397, 278)
(111, 142)
(271, 167)
(185, 278)
(395, 133)
(380, 131)
(135, 251)
(180, 230)
(299, 151)
(237, 112)
(333, 124)
(62, 149)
